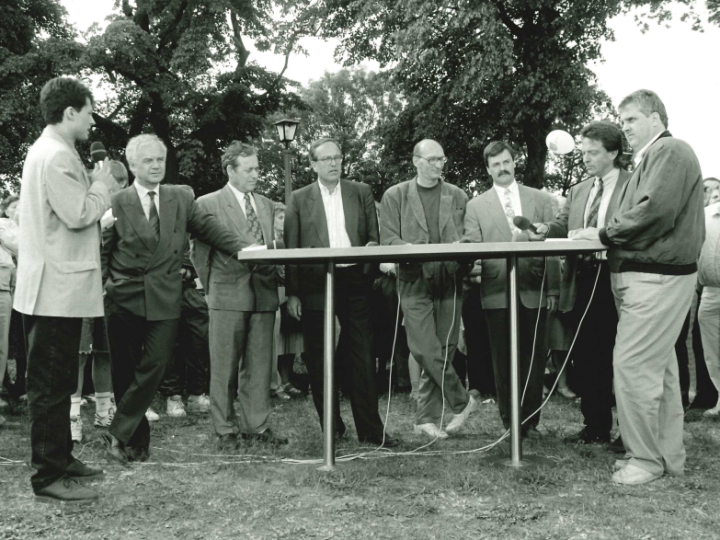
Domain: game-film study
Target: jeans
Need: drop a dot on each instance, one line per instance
(52, 353)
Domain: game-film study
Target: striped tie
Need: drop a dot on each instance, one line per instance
(592, 219)
(154, 217)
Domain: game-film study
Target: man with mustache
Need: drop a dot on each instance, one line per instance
(489, 218)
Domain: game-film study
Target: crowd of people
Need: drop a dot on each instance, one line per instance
(146, 281)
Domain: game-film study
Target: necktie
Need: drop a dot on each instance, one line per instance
(252, 220)
(154, 217)
(592, 218)
(509, 209)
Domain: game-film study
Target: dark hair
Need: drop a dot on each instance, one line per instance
(648, 102)
(7, 201)
(496, 148)
(608, 134)
(60, 93)
(316, 144)
(235, 150)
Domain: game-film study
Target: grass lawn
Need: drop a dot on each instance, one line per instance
(190, 491)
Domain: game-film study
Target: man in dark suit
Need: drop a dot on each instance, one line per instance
(243, 299)
(489, 218)
(592, 203)
(143, 255)
(654, 241)
(336, 213)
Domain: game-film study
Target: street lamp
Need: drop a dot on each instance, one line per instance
(286, 132)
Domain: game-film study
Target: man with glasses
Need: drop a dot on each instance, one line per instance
(336, 213)
(426, 210)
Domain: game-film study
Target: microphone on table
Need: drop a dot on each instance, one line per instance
(275, 244)
(372, 244)
(98, 152)
(524, 224)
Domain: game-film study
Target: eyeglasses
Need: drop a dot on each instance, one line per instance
(330, 159)
(435, 161)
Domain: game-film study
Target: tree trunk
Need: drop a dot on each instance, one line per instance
(534, 135)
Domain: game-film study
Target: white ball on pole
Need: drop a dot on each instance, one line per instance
(560, 142)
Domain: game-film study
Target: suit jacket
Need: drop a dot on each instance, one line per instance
(572, 217)
(58, 272)
(485, 221)
(229, 284)
(143, 275)
(306, 227)
(402, 219)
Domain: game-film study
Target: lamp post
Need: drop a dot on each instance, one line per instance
(286, 132)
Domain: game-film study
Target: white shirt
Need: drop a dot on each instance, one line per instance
(609, 181)
(637, 158)
(335, 215)
(240, 196)
(514, 198)
(145, 198)
(709, 264)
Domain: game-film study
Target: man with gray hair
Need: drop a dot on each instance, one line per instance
(654, 241)
(142, 256)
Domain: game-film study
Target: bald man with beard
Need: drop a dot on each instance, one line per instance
(426, 210)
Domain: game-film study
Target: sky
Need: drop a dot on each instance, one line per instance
(678, 64)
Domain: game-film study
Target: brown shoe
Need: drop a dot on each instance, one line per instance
(66, 490)
(115, 450)
(77, 470)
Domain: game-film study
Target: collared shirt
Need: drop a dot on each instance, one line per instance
(608, 181)
(709, 264)
(514, 198)
(145, 198)
(240, 196)
(637, 158)
(335, 215)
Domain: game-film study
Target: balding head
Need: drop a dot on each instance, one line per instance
(429, 160)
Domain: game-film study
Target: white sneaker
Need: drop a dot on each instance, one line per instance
(431, 430)
(620, 464)
(104, 420)
(459, 419)
(3, 403)
(76, 428)
(152, 416)
(713, 413)
(198, 404)
(631, 475)
(175, 407)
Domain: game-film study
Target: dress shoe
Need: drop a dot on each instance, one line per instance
(431, 430)
(459, 419)
(377, 440)
(266, 436)
(631, 475)
(137, 453)
(228, 441)
(533, 432)
(617, 446)
(583, 437)
(79, 471)
(115, 450)
(66, 490)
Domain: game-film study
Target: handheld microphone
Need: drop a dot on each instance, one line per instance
(98, 152)
(524, 224)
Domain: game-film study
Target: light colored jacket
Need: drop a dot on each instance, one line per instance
(485, 221)
(58, 272)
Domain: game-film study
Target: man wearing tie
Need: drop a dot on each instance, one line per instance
(338, 214)
(590, 204)
(489, 218)
(143, 256)
(654, 241)
(243, 299)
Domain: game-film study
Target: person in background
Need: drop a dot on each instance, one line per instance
(16, 338)
(8, 254)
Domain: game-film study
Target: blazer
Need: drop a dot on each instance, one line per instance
(142, 274)
(306, 227)
(572, 217)
(485, 221)
(402, 220)
(659, 226)
(229, 284)
(58, 273)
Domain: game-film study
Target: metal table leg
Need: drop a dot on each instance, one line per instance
(516, 459)
(329, 370)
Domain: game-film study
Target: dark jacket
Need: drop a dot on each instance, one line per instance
(142, 274)
(660, 225)
(306, 227)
